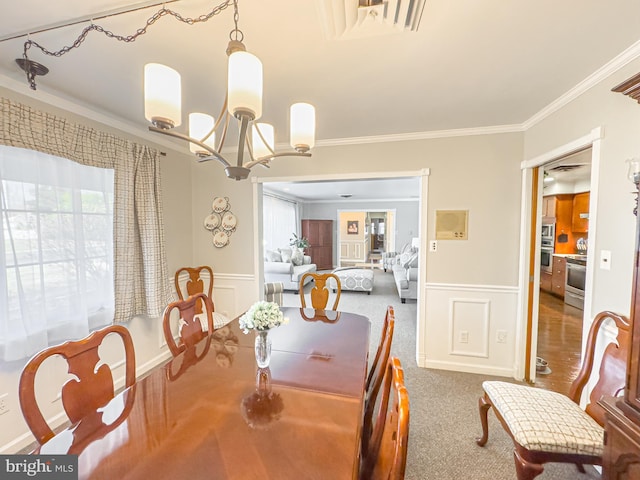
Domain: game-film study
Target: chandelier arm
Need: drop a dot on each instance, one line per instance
(223, 136)
(244, 124)
(264, 142)
(265, 160)
(182, 136)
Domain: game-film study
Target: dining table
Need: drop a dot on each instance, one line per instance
(211, 413)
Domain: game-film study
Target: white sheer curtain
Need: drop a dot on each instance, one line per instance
(56, 254)
(280, 221)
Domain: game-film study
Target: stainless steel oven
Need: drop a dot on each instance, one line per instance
(546, 259)
(576, 278)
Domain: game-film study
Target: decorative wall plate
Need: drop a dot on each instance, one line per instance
(220, 238)
(212, 221)
(229, 221)
(220, 204)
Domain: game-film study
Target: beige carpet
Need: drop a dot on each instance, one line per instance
(444, 417)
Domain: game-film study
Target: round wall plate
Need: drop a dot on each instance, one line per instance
(211, 222)
(229, 221)
(220, 204)
(220, 239)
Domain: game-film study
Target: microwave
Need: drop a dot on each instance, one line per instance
(548, 231)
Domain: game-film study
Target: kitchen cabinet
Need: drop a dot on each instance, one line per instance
(549, 209)
(580, 213)
(319, 233)
(559, 276)
(546, 280)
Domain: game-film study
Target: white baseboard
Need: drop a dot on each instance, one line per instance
(469, 368)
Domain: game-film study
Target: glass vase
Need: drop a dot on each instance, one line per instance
(263, 348)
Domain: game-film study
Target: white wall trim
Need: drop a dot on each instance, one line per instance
(576, 145)
(232, 276)
(596, 77)
(472, 288)
(344, 176)
(483, 352)
(468, 368)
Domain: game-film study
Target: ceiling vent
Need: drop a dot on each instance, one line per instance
(365, 18)
(565, 168)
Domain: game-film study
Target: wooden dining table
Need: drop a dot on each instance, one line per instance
(211, 413)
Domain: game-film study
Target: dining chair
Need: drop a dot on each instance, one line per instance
(320, 291)
(376, 376)
(547, 426)
(191, 280)
(274, 292)
(386, 454)
(192, 324)
(92, 386)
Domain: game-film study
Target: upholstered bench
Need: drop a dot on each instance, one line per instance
(353, 279)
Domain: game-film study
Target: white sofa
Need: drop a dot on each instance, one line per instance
(287, 265)
(405, 274)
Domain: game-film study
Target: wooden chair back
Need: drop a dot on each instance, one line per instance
(191, 328)
(613, 367)
(191, 280)
(92, 386)
(386, 456)
(274, 292)
(320, 291)
(376, 376)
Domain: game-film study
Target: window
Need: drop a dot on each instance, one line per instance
(56, 254)
(280, 222)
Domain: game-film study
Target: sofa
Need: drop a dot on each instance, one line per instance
(389, 259)
(287, 265)
(405, 274)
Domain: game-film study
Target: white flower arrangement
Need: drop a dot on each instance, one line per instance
(262, 316)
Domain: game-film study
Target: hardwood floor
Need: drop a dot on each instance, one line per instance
(559, 342)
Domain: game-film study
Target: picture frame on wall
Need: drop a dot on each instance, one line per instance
(352, 227)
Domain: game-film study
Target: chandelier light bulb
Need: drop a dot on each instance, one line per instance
(303, 126)
(259, 148)
(245, 85)
(200, 124)
(162, 95)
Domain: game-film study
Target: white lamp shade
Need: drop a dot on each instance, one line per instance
(245, 84)
(259, 147)
(200, 124)
(303, 126)
(162, 94)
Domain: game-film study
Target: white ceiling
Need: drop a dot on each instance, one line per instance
(471, 64)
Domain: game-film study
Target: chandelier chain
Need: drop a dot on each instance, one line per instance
(128, 38)
(236, 33)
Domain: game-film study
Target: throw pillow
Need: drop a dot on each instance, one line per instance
(286, 254)
(273, 256)
(297, 257)
(410, 261)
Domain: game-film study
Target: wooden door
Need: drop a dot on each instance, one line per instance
(320, 236)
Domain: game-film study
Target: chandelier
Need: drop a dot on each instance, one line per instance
(162, 96)
(243, 101)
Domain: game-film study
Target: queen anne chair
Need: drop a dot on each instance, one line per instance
(547, 426)
(376, 375)
(386, 455)
(191, 329)
(191, 280)
(320, 291)
(92, 386)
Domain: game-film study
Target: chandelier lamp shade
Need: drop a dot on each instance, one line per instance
(162, 92)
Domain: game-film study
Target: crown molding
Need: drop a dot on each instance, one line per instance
(596, 77)
(405, 137)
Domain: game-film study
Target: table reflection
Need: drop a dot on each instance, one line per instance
(326, 316)
(263, 406)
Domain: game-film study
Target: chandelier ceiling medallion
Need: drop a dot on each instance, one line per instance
(243, 99)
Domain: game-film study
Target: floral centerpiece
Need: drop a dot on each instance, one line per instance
(262, 316)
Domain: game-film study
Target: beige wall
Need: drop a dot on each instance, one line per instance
(615, 225)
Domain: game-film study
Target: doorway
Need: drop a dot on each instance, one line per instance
(540, 305)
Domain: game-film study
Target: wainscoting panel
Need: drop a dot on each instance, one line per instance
(469, 328)
(233, 294)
